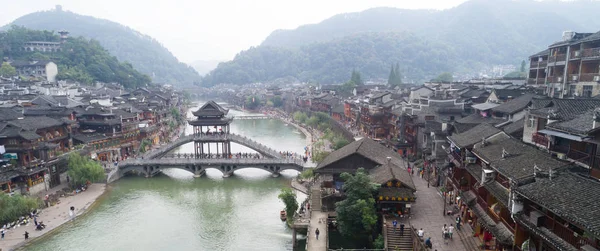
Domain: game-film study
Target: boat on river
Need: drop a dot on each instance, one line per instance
(282, 215)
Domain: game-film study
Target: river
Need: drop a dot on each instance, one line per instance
(175, 211)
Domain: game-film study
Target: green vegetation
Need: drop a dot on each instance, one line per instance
(16, 206)
(516, 74)
(355, 78)
(7, 70)
(329, 62)
(81, 60)
(82, 169)
(252, 102)
(300, 117)
(288, 197)
(464, 40)
(277, 101)
(307, 174)
(144, 53)
(379, 242)
(318, 156)
(444, 77)
(395, 77)
(356, 213)
(145, 144)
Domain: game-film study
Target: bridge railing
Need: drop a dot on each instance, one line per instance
(213, 136)
(228, 161)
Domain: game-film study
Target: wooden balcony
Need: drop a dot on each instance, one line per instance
(573, 78)
(589, 77)
(574, 55)
(539, 139)
(555, 79)
(592, 53)
(531, 81)
(541, 81)
(557, 58)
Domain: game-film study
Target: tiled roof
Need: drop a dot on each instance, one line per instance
(541, 53)
(502, 233)
(34, 123)
(396, 192)
(474, 135)
(505, 93)
(8, 114)
(367, 148)
(520, 160)
(569, 196)
(580, 125)
(211, 108)
(564, 109)
(478, 119)
(498, 191)
(514, 127)
(87, 138)
(544, 233)
(388, 171)
(515, 105)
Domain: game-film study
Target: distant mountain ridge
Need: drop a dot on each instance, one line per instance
(205, 66)
(145, 53)
(474, 34)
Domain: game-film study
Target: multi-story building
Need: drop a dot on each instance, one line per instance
(39, 69)
(567, 128)
(570, 67)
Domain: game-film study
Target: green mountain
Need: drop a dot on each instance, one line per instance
(143, 52)
(463, 39)
(79, 59)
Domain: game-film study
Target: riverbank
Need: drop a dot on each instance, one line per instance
(53, 217)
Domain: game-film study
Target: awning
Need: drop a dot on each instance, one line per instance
(561, 135)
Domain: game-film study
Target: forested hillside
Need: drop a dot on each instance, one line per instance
(463, 39)
(80, 59)
(143, 52)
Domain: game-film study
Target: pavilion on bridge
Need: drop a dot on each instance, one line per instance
(211, 120)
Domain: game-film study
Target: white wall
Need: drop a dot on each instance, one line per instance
(51, 72)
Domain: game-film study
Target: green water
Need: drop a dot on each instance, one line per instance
(174, 211)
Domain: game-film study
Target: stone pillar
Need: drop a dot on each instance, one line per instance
(294, 237)
(198, 171)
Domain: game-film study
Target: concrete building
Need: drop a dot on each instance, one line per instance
(42, 68)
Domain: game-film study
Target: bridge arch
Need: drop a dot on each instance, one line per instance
(247, 142)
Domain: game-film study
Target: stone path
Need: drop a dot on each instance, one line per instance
(53, 217)
(427, 214)
(318, 219)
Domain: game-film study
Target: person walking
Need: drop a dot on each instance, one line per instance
(394, 223)
(317, 233)
(428, 243)
(26, 235)
(458, 222)
(450, 230)
(2, 232)
(401, 228)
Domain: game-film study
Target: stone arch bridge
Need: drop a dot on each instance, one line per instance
(150, 167)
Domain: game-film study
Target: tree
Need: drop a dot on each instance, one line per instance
(82, 169)
(392, 76)
(7, 70)
(252, 102)
(356, 214)
(319, 156)
(355, 78)
(379, 242)
(307, 174)
(395, 77)
(300, 117)
(444, 77)
(16, 206)
(523, 66)
(339, 142)
(277, 101)
(289, 200)
(313, 121)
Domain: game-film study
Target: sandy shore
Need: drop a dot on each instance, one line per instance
(53, 217)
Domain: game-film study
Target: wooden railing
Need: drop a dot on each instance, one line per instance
(541, 81)
(573, 77)
(575, 55)
(542, 64)
(531, 81)
(557, 58)
(588, 77)
(590, 53)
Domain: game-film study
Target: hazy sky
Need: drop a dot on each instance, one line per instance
(211, 29)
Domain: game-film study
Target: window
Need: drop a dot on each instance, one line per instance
(587, 91)
(429, 118)
(573, 90)
(531, 122)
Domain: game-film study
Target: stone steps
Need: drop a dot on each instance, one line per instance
(395, 241)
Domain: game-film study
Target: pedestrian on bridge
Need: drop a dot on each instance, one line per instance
(317, 233)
